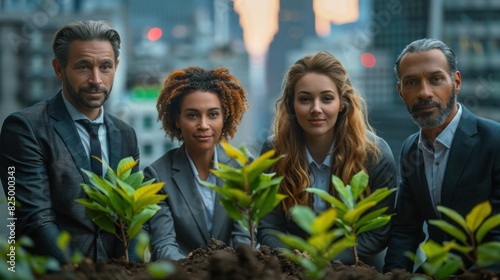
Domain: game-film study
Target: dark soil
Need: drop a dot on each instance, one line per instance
(220, 262)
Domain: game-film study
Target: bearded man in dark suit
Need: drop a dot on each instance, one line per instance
(48, 144)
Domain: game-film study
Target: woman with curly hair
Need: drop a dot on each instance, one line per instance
(321, 128)
(199, 108)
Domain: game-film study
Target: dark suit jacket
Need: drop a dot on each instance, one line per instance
(472, 176)
(381, 174)
(180, 227)
(43, 145)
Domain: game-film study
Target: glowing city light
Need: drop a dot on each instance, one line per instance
(259, 20)
(368, 60)
(154, 34)
(334, 11)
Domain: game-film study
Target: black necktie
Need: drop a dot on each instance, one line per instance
(95, 145)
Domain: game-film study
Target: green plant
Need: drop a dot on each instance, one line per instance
(322, 245)
(120, 203)
(17, 263)
(440, 262)
(468, 241)
(247, 194)
(354, 216)
(63, 241)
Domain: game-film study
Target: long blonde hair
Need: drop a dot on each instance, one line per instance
(352, 144)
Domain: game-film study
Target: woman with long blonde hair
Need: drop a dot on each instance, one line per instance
(322, 128)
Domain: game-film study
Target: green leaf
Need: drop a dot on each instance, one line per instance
(129, 190)
(322, 240)
(266, 201)
(353, 215)
(125, 167)
(450, 229)
(477, 215)
(324, 221)
(261, 164)
(63, 240)
(234, 153)
(373, 224)
(358, 184)
(304, 217)
(454, 215)
(142, 244)
(266, 184)
(488, 253)
(160, 269)
(242, 198)
(101, 220)
(334, 202)
(97, 182)
(434, 252)
(95, 195)
(377, 196)
(371, 216)
(140, 218)
(135, 180)
(490, 223)
(232, 211)
(147, 195)
(339, 246)
(292, 241)
(448, 268)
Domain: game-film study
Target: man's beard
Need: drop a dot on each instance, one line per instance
(430, 119)
(78, 96)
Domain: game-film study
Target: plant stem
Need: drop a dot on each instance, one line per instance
(251, 227)
(125, 240)
(356, 259)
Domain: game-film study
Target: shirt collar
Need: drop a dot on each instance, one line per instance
(193, 167)
(77, 115)
(327, 161)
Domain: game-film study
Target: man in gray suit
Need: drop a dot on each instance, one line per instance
(454, 160)
(46, 146)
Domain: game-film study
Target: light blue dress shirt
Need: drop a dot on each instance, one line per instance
(320, 177)
(435, 160)
(207, 195)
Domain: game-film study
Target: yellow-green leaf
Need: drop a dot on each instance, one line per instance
(454, 215)
(450, 229)
(324, 221)
(234, 153)
(148, 191)
(63, 240)
(304, 217)
(334, 202)
(490, 223)
(374, 223)
(358, 183)
(353, 215)
(125, 167)
(477, 215)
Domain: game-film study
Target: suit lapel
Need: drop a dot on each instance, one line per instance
(220, 221)
(184, 181)
(65, 128)
(460, 153)
(114, 142)
(423, 181)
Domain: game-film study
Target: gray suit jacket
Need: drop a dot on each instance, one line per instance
(472, 176)
(180, 226)
(42, 144)
(381, 174)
